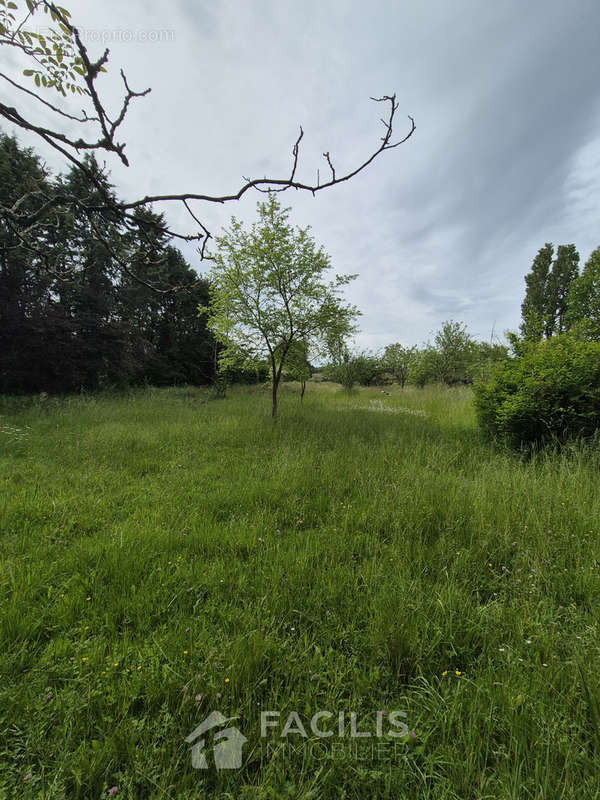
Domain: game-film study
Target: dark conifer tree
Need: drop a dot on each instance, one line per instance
(90, 311)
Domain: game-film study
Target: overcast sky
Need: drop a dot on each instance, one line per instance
(506, 155)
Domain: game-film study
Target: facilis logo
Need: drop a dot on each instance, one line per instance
(228, 741)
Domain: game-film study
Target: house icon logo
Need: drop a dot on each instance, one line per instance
(227, 744)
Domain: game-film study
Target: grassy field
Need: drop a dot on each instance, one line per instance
(165, 555)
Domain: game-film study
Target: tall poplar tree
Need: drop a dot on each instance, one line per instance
(535, 304)
(544, 309)
(583, 306)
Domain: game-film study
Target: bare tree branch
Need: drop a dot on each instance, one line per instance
(21, 217)
(326, 156)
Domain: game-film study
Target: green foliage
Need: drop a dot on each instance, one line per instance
(565, 270)
(548, 394)
(424, 368)
(42, 32)
(297, 366)
(342, 367)
(487, 355)
(88, 323)
(545, 307)
(350, 368)
(583, 313)
(455, 350)
(454, 358)
(268, 290)
(399, 360)
(534, 308)
(367, 368)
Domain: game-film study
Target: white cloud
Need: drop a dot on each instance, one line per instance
(506, 154)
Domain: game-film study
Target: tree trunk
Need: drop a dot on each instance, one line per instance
(274, 399)
(302, 391)
(275, 385)
(276, 372)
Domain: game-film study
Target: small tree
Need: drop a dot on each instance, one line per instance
(268, 291)
(297, 365)
(455, 353)
(341, 367)
(398, 360)
(369, 368)
(425, 367)
(351, 367)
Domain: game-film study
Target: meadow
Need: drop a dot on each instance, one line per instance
(165, 555)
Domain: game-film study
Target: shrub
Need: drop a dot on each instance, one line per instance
(351, 368)
(550, 392)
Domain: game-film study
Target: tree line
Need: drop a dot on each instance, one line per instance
(453, 358)
(559, 299)
(86, 323)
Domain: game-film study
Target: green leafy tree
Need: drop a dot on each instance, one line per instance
(544, 308)
(565, 269)
(89, 296)
(455, 358)
(534, 309)
(297, 365)
(344, 367)
(398, 360)
(425, 366)
(350, 367)
(583, 302)
(456, 354)
(367, 368)
(86, 323)
(268, 289)
(167, 342)
(26, 300)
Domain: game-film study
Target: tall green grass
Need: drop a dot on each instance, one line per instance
(164, 555)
